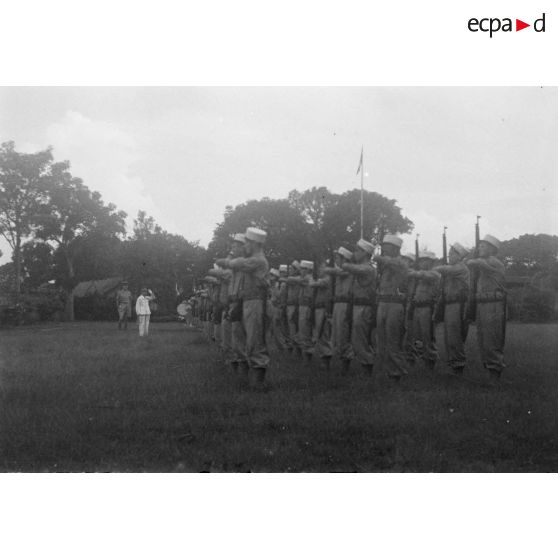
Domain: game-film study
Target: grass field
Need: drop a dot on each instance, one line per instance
(85, 397)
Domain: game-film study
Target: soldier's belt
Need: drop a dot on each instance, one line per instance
(496, 296)
(306, 301)
(400, 299)
(319, 305)
(233, 298)
(455, 299)
(358, 301)
(424, 303)
(344, 299)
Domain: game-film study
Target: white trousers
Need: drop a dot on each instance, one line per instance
(143, 322)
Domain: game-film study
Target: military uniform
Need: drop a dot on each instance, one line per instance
(293, 289)
(341, 318)
(363, 300)
(425, 297)
(238, 334)
(455, 284)
(409, 336)
(209, 297)
(321, 333)
(490, 298)
(224, 277)
(279, 316)
(124, 300)
(390, 318)
(305, 296)
(254, 302)
(216, 311)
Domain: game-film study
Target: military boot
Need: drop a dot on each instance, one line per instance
(457, 371)
(325, 363)
(244, 373)
(258, 380)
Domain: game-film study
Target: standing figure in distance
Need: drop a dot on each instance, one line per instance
(292, 307)
(143, 311)
(305, 295)
(279, 300)
(124, 300)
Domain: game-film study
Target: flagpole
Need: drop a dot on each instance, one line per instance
(362, 194)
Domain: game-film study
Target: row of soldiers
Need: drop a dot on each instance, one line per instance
(379, 309)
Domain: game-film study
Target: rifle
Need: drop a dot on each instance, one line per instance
(314, 295)
(472, 303)
(445, 246)
(439, 309)
(411, 296)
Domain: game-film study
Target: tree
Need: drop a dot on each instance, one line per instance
(288, 232)
(313, 205)
(164, 262)
(145, 226)
(310, 224)
(7, 277)
(37, 263)
(22, 190)
(72, 213)
(335, 218)
(530, 253)
(381, 216)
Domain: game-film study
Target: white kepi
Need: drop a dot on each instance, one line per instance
(393, 240)
(366, 246)
(492, 240)
(255, 235)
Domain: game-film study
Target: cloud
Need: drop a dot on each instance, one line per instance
(102, 155)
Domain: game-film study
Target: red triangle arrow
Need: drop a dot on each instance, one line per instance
(519, 25)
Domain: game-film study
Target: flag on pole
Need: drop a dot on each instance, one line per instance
(360, 162)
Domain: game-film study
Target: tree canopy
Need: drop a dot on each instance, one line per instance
(530, 253)
(311, 223)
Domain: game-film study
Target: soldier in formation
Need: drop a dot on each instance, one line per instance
(490, 299)
(424, 299)
(371, 305)
(454, 296)
(322, 307)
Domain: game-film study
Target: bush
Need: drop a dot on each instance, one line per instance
(95, 308)
(40, 305)
(530, 304)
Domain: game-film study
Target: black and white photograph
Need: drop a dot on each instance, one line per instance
(278, 279)
(258, 238)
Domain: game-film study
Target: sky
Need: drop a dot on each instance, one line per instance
(182, 154)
